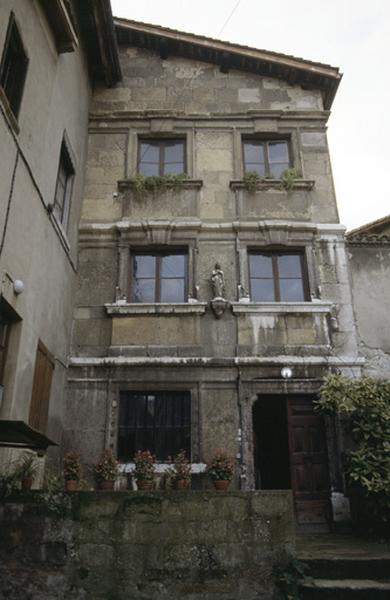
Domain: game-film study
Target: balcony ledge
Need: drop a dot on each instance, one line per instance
(135, 308)
(274, 184)
(314, 307)
(186, 184)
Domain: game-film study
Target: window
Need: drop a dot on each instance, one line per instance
(160, 157)
(4, 337)
(159, 277)
(268, 158)
(13, 67)
(63, 187)
(277, 277)
(39, 408)
(155, 421)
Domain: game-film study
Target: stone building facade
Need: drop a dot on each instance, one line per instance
(194, 297)
(369, 260)
(48, 65)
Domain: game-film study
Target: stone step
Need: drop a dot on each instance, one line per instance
(352, 568)
(344, 589)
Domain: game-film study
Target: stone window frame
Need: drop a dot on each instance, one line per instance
(161, 143)
(163, 129)
(125, 249)
(154, 386)
(158, 252)
(247, 246)
(13, 111)
(265, 133)
(274, 252)
(66, 162)
(264, 141)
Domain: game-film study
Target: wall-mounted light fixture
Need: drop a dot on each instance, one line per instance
(18, 286)
(286, 372)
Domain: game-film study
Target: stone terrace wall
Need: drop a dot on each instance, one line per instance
(149, 546)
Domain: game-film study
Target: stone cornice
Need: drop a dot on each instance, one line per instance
(266, 308)
(274, 184)
(367, 239)
(135, 308)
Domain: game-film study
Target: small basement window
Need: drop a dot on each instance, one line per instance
(13, 68)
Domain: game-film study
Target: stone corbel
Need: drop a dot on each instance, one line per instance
(218, 306)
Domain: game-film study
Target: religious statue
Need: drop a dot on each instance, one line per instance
(218, 281)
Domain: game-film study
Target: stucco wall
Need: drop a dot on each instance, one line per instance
(36, 249)
(370, 275)
(190, 545)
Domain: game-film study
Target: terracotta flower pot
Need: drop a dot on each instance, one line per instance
(221, 485)
(105, 484)
(145, 485)
(71, 485)
(182, 484)
(27, 483)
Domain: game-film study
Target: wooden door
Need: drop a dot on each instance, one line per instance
(308, 462)
(39, 407)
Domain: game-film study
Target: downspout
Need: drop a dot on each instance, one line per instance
(11, 190)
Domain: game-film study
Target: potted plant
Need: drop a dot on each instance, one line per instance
(72, 471)
(106, 471)
(144, 469)
(26, 470)
(220, 469)
(180, 471)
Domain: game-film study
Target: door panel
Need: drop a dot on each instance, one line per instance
(308, 462)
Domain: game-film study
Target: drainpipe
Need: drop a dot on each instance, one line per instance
(11, 190)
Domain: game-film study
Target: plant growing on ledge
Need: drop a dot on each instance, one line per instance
(26, 469)
(106, 471)
(72, 470)
(220, 469)
(288, 176)
(144, 469)
(366, 404)
(251, 180)
(179, 472)
(154, 183)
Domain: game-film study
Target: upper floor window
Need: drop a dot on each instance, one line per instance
(64, 184)
(159, 276)
(268, 158)
(155, 421)
(160, 157)
(13, 68)
(277, 277)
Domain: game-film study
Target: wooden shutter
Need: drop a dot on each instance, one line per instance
(39, 408)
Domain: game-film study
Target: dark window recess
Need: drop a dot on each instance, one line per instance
(4, 337)
(161, 157)
(39, 407)
(277, 277)
(13, 67)
(267, 158)
(159, 277)
(155, 421)
(64, 185)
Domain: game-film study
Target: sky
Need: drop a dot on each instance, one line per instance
(353, 35)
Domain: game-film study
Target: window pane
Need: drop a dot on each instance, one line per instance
(149, 169)
(278, 152)
(260, 265)
(253, 153)
(290, 265)
(172, 290)
(173, 168)
(174, 152)
(144, 290)
(144, 266)
(173, 265)
(278, 168)
(149, 152)
(262, 290)
(291, 290)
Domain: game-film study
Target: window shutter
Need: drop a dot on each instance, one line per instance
(39, 408)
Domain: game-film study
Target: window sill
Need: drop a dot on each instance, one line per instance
(314, 307)
(274, 184)
(174, 308)
(186, 184)
(9, 115)
(163, 467)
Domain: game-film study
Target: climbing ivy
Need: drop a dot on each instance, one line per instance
(366, 403)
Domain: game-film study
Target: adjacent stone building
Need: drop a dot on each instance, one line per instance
(210, 307)
(369, 260)
(51, 54)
